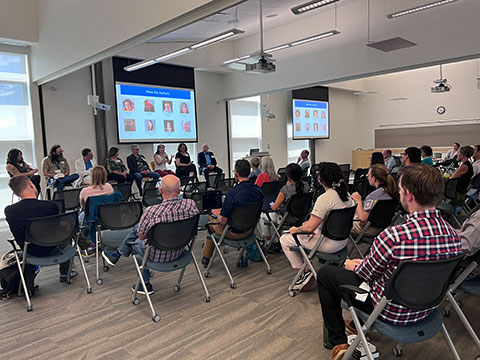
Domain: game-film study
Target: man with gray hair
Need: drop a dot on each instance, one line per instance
(207, 162)
(171, 209)
(139, 167)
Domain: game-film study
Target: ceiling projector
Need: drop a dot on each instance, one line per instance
(441, 86)
(263, 66)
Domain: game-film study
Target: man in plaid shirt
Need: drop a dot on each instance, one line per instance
(424, 236)
(170, 210)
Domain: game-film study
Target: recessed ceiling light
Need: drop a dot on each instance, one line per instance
(419, 8)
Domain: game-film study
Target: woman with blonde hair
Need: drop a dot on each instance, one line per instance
(385, 189)
(99, 185)
(268, 172)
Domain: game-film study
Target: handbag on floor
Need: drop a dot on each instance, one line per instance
(9, 275)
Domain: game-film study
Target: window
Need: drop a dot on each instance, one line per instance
(16, 123)
(245, 126)
(295, 147)
(171, 149)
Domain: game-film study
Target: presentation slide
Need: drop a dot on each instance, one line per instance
(310, 120)
(147, 113)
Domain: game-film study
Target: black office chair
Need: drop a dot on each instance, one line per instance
(61, 205)
(119, 218)
(282, 173)
(380, 217)
(214, 178)
(225, 185)
(57, 231)
(416, 285)
(270, 192)
(169, 237)
(151, 197)
(150, 184)
(188, 180)
(449, 203)
(194, 187)
(125, 189)
(243, 218)
(337, 226)
(71, 197)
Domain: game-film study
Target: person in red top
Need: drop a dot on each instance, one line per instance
(424, 236)
(268, 172)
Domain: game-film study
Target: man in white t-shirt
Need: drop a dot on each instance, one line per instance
(303, 159)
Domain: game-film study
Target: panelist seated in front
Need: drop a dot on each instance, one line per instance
(57, 170)
(207, 162)
(139, 167)
(183, 162)
(84, 166)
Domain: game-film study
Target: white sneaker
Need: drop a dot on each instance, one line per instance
(303, 280)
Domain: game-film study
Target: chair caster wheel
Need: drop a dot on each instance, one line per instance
(225, 251)
(106, 268)
(446, 312)
(176, 288)
(233, 286)
(269, 272)
(29, 307)
(99, 281)
(136, 301)
(397, 351)
(292, 293)
(207, 299)
(207, 274)
(156, 318)
(89, 290)
(86, 260)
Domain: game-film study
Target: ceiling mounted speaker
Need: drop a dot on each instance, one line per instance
(392, 44)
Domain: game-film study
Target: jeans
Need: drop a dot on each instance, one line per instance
(137, 248)
(60, 183)
(138, 178)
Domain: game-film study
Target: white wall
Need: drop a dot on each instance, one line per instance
(18, 21)
(69, 120)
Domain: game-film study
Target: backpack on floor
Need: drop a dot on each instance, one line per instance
(9, 275)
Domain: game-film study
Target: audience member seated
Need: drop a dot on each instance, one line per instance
(294, 186)
(377, 158)
(255, 171)
(99, 185)
(57, 170)
(116, 170)
(139, 167)
(388, 159)
(303, 160)
(244, 193)
(424, 236)
(161, 160)
(84, 166)
(183, 162)
(427, 154)
(17, 216)
(464, 171)
(336, 196)
(17, 166)
(268, 172)
(170, 210)
(411, 155)
(452, 153)
(470, 234)
(207, 162)
(385, 189)
(476, 158)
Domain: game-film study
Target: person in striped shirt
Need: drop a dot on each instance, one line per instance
(424, 236)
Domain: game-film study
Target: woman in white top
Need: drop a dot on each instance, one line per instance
(336, 196)
(161, 160)
(99, 185)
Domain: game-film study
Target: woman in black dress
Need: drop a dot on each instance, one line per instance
(183, 162)
(464, 171)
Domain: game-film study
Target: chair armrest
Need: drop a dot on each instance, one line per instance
(295, 236)
(349, 292)
(14, 245)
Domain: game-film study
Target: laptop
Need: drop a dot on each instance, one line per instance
(254, 151)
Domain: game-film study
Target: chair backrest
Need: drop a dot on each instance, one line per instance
(338, 223)
(151, 197)
(299, 205)
(451, 188)
(54, 230)
(214, 178)
(118, 216)
(398, 160)
(71, 197)
(61, 205)
(476, 181)
(305, 171)
(420, 285)
(207, 200)
(360, 174)
(307, 180)
(125, 189)
(173, 235)
(188, 180)
(271, 189)
(382, 213)
(282, 174)
(150, 184)
(361, 186)
(225, 184)
(245, 217)
(344, 167)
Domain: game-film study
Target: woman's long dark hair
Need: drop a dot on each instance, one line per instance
(112, 151)
(331, 175)
(12, 156)
(53, 156)
(180, 145)
(377, 158)
(158, 149)
(294, 173)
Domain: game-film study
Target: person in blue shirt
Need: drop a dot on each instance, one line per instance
(207, 162)
(427, 154)
(84, 166)
(244, 193)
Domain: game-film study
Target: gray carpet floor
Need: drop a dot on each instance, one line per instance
(258, 320)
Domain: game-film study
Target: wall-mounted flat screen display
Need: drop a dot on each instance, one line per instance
(310, 119)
